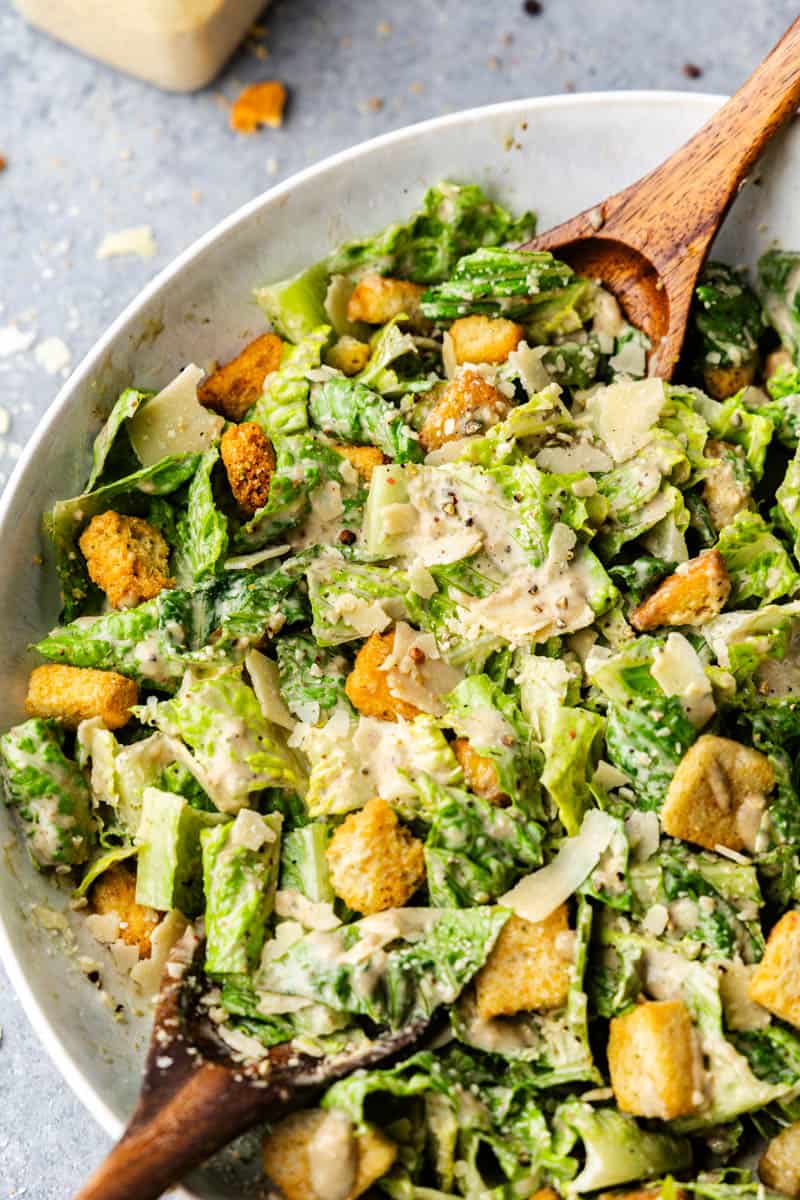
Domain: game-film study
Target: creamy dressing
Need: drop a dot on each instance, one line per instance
(333, 1157)
(537, 602)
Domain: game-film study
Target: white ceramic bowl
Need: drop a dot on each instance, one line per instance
(557, 155)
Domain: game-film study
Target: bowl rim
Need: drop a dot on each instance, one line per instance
(705, 101)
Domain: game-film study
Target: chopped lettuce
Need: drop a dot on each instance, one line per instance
(497, 283)
(351, 412)
(475, 851)
(758, 563)
(168, 871)
(232, 749)
(423, 968)
(201, 534)
(779, 289)
(727, 317)
(240, 873)
(49, 793)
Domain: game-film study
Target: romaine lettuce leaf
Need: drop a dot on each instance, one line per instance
(232, 749)
(49, 792)
(398, 985)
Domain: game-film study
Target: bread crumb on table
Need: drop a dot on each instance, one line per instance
(259, 104)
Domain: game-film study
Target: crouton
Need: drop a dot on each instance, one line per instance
(467, 404)
(695, 594)
(115, 892)
(545, 1193)
(777, 362)
(348, 355)
(528, 968)
(375, 862)
(249, 462)
(775, 983)
(655, 1062)
(288, 1164)
(363, 458)
(483, 340)
(722, 382)
(718, 794)
(258, 104)
(377, 300)
(725, 488)
(480, 772)
(367, 686)
(779, 1167)
(234, 388)
(126, 557)
(73, 694)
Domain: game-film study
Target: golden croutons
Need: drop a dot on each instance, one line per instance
(467, 404)
(545, 1193)
(367, 685)
(528, 968)
(364, 459)
(348, 354)
(126, 557)
(377, 300)
(725, 489)
(696, 593)
(234, 388)
(717, 795)
(779, 1167)
(288, 1155)
(115, 892)
(480, 772)
(483, 340)
(375, 862)
(74, 694)
(258, 104)
(775, 983)
(722, 382)
(249, 462)
(654, 1061)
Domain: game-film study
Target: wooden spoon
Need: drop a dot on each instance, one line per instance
(647, 243)
(195, 1099)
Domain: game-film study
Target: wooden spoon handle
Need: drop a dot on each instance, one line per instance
(681, 204)
(157, 1151)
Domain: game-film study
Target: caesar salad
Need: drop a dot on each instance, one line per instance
(433, 658)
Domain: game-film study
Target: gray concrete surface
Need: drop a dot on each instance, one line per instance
(90, 151)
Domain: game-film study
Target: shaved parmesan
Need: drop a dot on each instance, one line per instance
(266, 683)
(174, 421)
(678, 672)
(564, 460)
(623, 414)
(250, 830)
(527, 362)
(147, 973)
(137, 241)
(539, 894)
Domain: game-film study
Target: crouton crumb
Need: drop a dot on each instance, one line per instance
(258, 104)
(480, 772)
(233, 389)
(377, 300)
(484, 340)
(375, 862)
(126, 557)
(249, 462)
(367, 686)
(74, 694)
(115, 892)
(364, 459)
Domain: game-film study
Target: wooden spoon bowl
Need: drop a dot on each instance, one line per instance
(195, 1098)
(647, 243)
